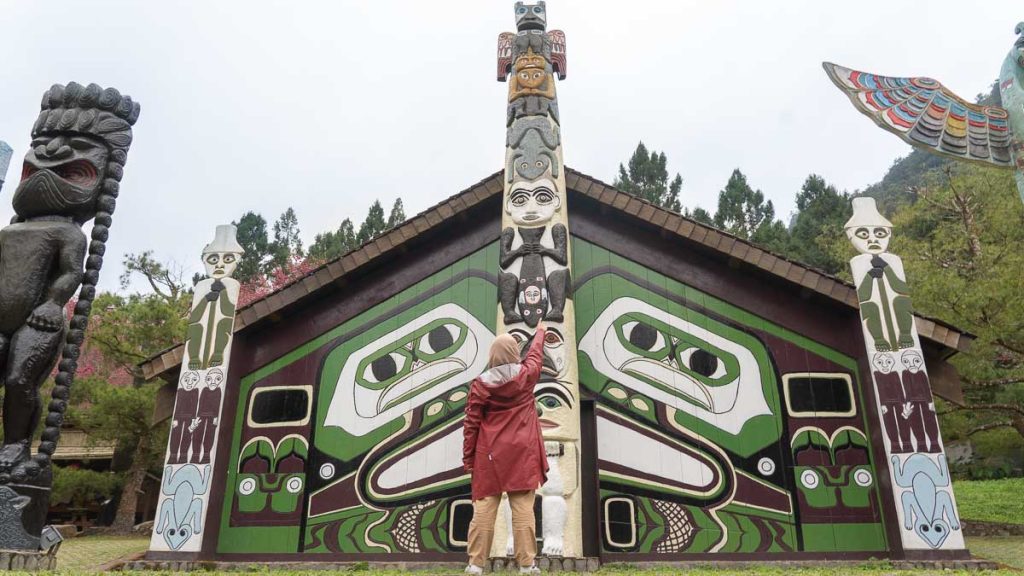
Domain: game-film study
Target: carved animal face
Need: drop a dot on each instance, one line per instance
(553, 393)
(913, 361)
(883, 362)
(870, 239)
(62, 176)
(220, 264)
(176, 536)
(533, 204)
(934, 532)
(189, 379)
(531, 17)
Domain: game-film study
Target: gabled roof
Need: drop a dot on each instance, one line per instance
(489, 189)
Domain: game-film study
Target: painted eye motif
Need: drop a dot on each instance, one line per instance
(550, 401)
(521, 10)
(229, 258)
(643, 336)
(385, 368)
(881, 232)
(538, 10)
(213, 259)
(702, 362)
(862, 233)
(521, 198)
(439, 339)
(544, 197)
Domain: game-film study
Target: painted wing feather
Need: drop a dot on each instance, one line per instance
(505, 40)
(557, 39)
(926, 114)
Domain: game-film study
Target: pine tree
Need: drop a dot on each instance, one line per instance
(647, 177)
(252, 236)
(397, 215)
(374, 223)
(744, 212)
(822, 211)
(287, 244)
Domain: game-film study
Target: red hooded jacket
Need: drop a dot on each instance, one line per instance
(502, 445)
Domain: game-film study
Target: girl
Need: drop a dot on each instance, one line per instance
(503, 449)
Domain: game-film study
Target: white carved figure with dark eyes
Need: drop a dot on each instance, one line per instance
(533, 204)
(220, 257)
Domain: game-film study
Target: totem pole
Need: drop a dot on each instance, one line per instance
(71, 175)
(927, 115)
(5, 161)
(920, 477)
(185, 488)
(534, 279)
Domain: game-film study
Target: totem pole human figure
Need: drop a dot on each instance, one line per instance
(71, 175)
(198, 402)
(534, 259)
(929, 116)
(918, 472)
(207, 416)
(186, 403)
(920, 406)
(893, 401)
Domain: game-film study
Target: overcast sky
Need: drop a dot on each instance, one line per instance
(325, 106)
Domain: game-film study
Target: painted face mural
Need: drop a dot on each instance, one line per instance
(405, 368)
(670, 359)
(883, 362)
(912, 361)
(189, 379)
(533, 203)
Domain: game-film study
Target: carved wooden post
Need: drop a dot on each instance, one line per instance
(195, 421)
(535, 279)
(917, 461)
(71, 175)
(5, 161)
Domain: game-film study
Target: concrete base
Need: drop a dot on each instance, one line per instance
(23, 561)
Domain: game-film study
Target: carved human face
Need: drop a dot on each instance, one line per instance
(529, 17)
(214, 378)
(62, 176)
(912, 361)
(870, 239)
(531, 78)
(220, 264)
(883, 362)
(532, 204)
(189, 379)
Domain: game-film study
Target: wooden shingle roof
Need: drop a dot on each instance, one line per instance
(669, 223)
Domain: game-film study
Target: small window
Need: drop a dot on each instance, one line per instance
(620, 522)
(280, 406)
(815, 395)
(460, 512)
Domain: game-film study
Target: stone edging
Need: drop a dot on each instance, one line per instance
(982, 528)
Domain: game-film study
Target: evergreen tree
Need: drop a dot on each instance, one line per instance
(700, 215)
(374, 223)
(397, 215)
(330, 245)
(822, 211)
(287, 244)
(647, 177)
(252, 236)
(744, 212)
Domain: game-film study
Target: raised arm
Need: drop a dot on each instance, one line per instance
(534, 360)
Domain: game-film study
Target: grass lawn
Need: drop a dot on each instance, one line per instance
(991, 500)
(86, 555)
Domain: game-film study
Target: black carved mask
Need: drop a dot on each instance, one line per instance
(62, 176)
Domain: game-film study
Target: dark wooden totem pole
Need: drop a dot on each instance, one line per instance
(71, 175)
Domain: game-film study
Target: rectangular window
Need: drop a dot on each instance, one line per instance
(280, 406)
(819, 394)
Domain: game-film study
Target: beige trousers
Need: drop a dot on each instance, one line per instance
(524, 528)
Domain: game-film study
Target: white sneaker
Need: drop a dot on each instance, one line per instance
(529, 570)
(471, 569)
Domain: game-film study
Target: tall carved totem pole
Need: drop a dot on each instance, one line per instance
(535, 278)
(71, 175)
(920, 477)
(198, 402)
